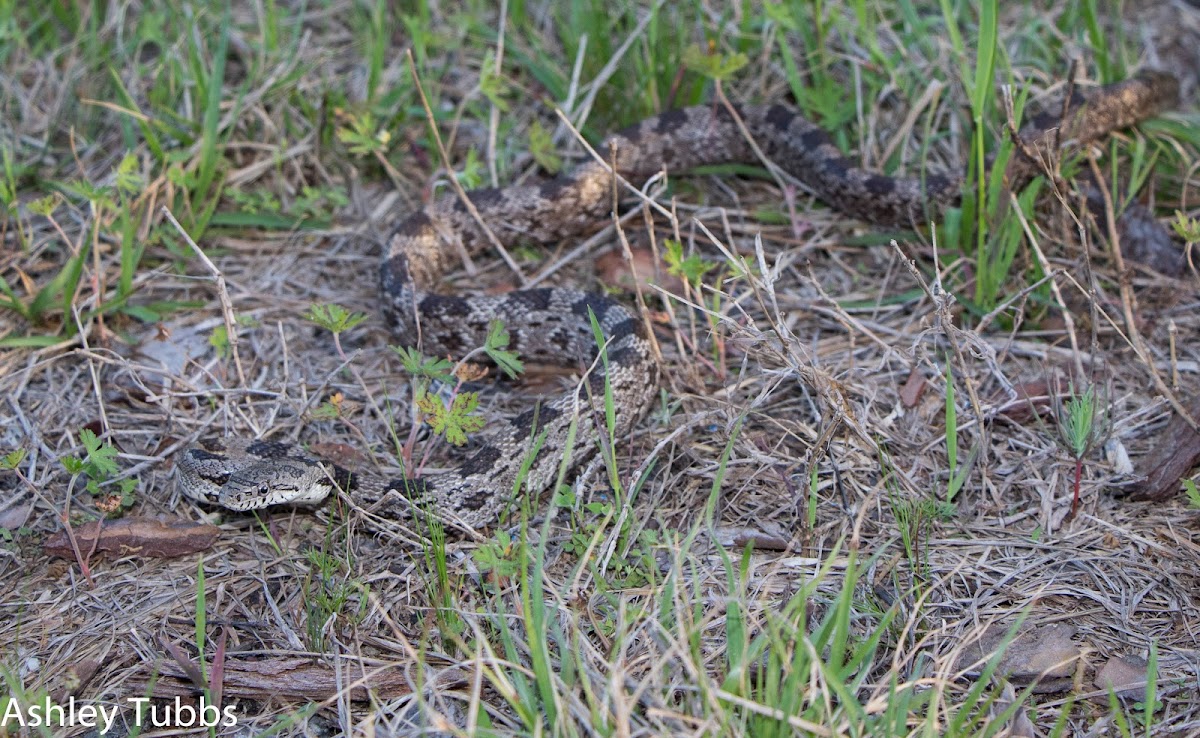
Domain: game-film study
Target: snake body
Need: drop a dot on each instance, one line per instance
(553, 324)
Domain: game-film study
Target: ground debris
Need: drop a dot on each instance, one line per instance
(144, 537)
(1164, 466)
(291, 678)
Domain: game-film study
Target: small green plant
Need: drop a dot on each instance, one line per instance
(319, 202)
(1083, 424)
(690, 269)
(334, 318)
(62, 287)
(915, 517)
(1187, 228)
(442, 588)
(719, 67)
(255, 201)
(453, 417)
(635, 566)
(492, 84)
(455, 420)
(330, 409)
(362, 135)
(473, 171)
(13, 459)
(422, 367)
(337, 320)
(542, 148)
(496, 347)
(498, 556)
(219, 338)
(957, 476)
(99, 464)
(424, 373)
(1193, 494)
(330, 592)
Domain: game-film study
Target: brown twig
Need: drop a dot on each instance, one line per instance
(1134, 335)
(458, 188)
(222, 295)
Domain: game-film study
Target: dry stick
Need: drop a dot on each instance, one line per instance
(838, 313)
(942, 310)
(1072, 75)
(608, 167)
(1100, 312)
(1049, 166)
(682, 345)
(755, 288)
(101, 408)
(628, 252)
(781, 177)
(64, 518)
(222, 296)
(1135, 336)
(829, 391)
(928, 99)
(1068, 319)
(573, 86)
(458, 188)
(1048, 276)
(494, 112)
(1172, 337)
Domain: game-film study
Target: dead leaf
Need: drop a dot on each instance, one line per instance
(613, 269)
(766, 536)
(1045, 654)
(1125, 675)
(14, 517)
(1019, 725)
(913, 388)
(77, 676)
(1033, 400)
(342, 454)
(146, 537)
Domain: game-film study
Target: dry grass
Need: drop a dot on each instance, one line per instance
(791, 400)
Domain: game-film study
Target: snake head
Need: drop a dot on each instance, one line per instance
(240, 474)
(271, 483)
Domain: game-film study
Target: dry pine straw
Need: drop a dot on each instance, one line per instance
(1124, 575)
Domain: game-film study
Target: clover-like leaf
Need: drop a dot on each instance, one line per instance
(12, 459)
(496, 347)
(691, 268)
(101, 457)
(419, 365)
(455, 422)
(711, 64)
(129, 179)
(333, 317)
(541, 148)
(1187, 228)
(1193, 494)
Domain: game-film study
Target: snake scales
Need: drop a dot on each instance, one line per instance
(552, 324)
